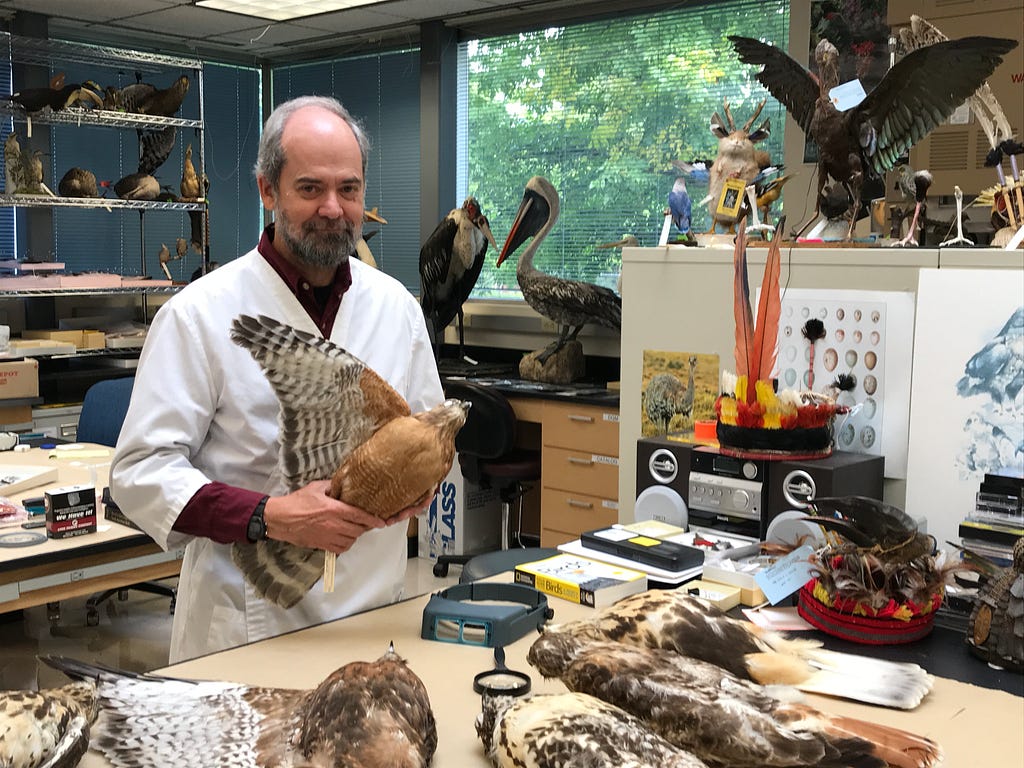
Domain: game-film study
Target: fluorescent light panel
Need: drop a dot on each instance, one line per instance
(282, 10)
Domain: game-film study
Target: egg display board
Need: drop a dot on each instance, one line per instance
(868, 337)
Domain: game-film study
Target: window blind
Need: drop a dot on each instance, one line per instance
(602, 109)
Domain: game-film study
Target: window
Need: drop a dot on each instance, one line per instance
(602, 109)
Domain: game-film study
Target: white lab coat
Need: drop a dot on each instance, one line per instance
(202, 410)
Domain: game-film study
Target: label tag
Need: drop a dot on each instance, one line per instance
(784, 577)
(847, 95)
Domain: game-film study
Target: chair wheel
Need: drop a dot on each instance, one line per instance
(173, 601)
(53, 612)
(122, 595)
(92, 618)
(440, 569)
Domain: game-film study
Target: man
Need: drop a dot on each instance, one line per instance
(196, 461)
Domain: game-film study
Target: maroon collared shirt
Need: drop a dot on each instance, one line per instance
(220, 511)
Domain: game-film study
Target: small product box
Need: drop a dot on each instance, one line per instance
(70, 511)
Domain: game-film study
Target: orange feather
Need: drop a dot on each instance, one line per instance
(769, 308)
(741, 305)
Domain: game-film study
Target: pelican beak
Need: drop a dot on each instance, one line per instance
(616, 244)
(517, 234)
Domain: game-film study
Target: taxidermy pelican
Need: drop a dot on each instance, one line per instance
(571, 304)
(450, 263)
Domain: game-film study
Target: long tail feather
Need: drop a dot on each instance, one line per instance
(900, 749)
(769, 308)
(741, 306)
(873, 681)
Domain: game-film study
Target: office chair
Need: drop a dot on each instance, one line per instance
(488, 457)
(103, 412)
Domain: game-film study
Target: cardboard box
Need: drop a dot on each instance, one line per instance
(462, 519)
(16, 417)
(82, 339)
(737, 573)
(70, 511)
(19, 378)
(722, 595)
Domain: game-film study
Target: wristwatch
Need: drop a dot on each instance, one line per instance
(256, 530)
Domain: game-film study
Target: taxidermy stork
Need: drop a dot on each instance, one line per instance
(570, 304)
(450, 263)
(914, 97)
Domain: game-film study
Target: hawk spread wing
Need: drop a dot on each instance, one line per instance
(342, 421)
(571, 730)
(364, 715)
(48, 728)
(723, 719)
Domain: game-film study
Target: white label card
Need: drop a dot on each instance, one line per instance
(784, 577)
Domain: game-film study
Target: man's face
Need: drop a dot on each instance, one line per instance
(319, 198)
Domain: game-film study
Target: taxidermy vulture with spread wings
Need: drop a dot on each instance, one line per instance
(363, 715)
(571, 730)
(688, 625)
(339, 420)
(914, 97)
(722, 719)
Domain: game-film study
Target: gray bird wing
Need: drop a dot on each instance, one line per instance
(786, 80)
(156, 146)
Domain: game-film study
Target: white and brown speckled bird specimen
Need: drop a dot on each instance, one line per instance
(688, 625)
(48, 728)
(724, 720)
(570, 304)
(363, 715)
(342, 421)
(571, 730)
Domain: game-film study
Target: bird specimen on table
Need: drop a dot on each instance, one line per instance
(737, 159)
(147, 99)
(450, 262)
(363, 252)
(922, 182)
(570, 304)
(342, 421)
(693, 627)
(363, 715)
(78, 182)
(722, 719)
(665, 397)
(137, 186)
(571, 730)
(47, 728)
(914, 97)
(996, 627)
(768, 185)
(155, 147)
(680, 208)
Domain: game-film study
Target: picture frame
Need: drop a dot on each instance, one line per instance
(731, 199)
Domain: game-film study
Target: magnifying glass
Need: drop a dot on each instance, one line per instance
(501, 681)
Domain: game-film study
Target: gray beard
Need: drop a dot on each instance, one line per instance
(320, 249)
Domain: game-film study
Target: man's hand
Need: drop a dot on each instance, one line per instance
(310, 518)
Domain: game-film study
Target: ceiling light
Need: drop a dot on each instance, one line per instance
(283, 10)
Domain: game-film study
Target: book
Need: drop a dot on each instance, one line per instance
(15, 478)
(579, 580)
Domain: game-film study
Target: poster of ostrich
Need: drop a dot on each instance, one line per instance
(677, 389)
(855, 346)
(968, 393)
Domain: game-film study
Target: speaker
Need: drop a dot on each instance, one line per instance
(795, 484)
(662, 473)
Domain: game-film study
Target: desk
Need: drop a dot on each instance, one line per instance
(975, 726)
(58, 569)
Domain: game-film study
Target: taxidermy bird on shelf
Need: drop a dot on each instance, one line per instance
(363, 252)
(571, 729)
(147, 99)
(47, 728)
(137, 186)
(570, 304)
(737, 159)
(191, 189)
(921, 182)
(78, 182)
(155, 147)
(722, 719)
(363, 715)
(680, 208)
(864, 142)
(339, 420)
(690, 626)
(450, 262)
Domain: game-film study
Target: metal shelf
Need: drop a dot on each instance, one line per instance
(26, 293)
(102, 117)
(109, 203)
(40, 51)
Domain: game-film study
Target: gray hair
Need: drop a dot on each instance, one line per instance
(270, 158)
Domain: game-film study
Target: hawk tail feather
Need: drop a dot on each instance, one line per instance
(279, 572)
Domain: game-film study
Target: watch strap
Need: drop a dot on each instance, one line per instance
(256, 530)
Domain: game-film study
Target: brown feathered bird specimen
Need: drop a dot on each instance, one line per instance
(342, 421)
(147, 99)
(688, 625)
(914, 97)
(571, 730)
(78, 182)
(363, 715)
(47, 728)
(722, 719)
(191, 189)
(996, 628)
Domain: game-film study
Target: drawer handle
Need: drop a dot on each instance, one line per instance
(584, 419)
(580, 504)
(580, 462)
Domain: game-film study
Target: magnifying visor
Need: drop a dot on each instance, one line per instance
(455, 614)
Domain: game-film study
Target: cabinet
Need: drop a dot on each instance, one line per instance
(579, 470)
(107, 143)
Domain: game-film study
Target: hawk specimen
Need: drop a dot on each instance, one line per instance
(363, 715)
(342, 421)
(47, 728)
(571, 730)
(722, 719)
(688, 625)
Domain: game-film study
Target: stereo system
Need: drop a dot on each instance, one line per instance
(686, 484)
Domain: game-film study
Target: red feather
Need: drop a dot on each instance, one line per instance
(741, 305)
(769, 308)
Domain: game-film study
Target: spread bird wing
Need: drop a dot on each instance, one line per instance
(919, 93)
(156, 146)
(45, 729)
(789, 82)
(331, 402)
(571, 730)
(725, 720)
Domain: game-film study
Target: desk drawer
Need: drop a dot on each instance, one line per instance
(589, 427)
(574, 513)
(590, 473)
